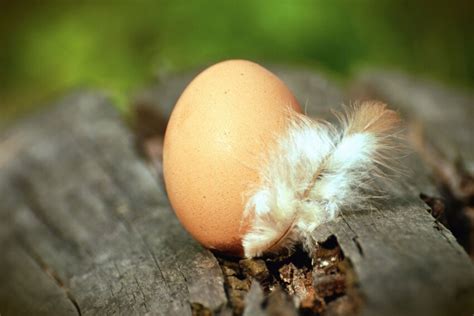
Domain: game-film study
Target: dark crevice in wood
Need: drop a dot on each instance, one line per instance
(455, 210)
(50, 272)
(335, 279)
(325, 281)
(148, 126)
(147, 122)
(355, 239)
(437, 208)
(236, 282)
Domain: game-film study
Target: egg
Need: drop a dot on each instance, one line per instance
(220, 126)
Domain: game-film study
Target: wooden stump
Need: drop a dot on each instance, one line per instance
(86, 228)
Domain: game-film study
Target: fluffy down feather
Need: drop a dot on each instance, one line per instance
(314, 172)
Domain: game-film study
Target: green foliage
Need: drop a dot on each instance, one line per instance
(48, 47)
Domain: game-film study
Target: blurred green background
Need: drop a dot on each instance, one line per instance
(48, 47)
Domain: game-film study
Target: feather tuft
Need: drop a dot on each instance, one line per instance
(316, 170)
(371, 116)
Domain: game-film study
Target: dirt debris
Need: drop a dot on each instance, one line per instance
(313, 285)
(200, 310)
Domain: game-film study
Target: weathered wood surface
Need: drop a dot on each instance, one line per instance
(85, 228)
(444, 114)
(442, 130)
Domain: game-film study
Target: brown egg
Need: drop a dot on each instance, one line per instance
(219, 127)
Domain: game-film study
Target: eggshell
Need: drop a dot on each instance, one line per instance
(220, 125)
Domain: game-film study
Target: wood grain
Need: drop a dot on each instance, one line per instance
(86, 228)
(95, 225)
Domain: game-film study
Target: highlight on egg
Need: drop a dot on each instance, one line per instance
(248, 174)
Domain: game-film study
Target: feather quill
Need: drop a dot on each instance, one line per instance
(315, 171)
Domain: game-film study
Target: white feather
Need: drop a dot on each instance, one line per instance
(313, 173)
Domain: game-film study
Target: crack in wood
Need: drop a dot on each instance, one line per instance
(143, 294)
(35, 206)
(355, 239)
(449, 214)
(107, 173)
(311, 284)
(50, 272)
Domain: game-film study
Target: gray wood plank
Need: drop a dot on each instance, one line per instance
(22, 275)
(441, 132)
(111, 239)
(86, 228)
